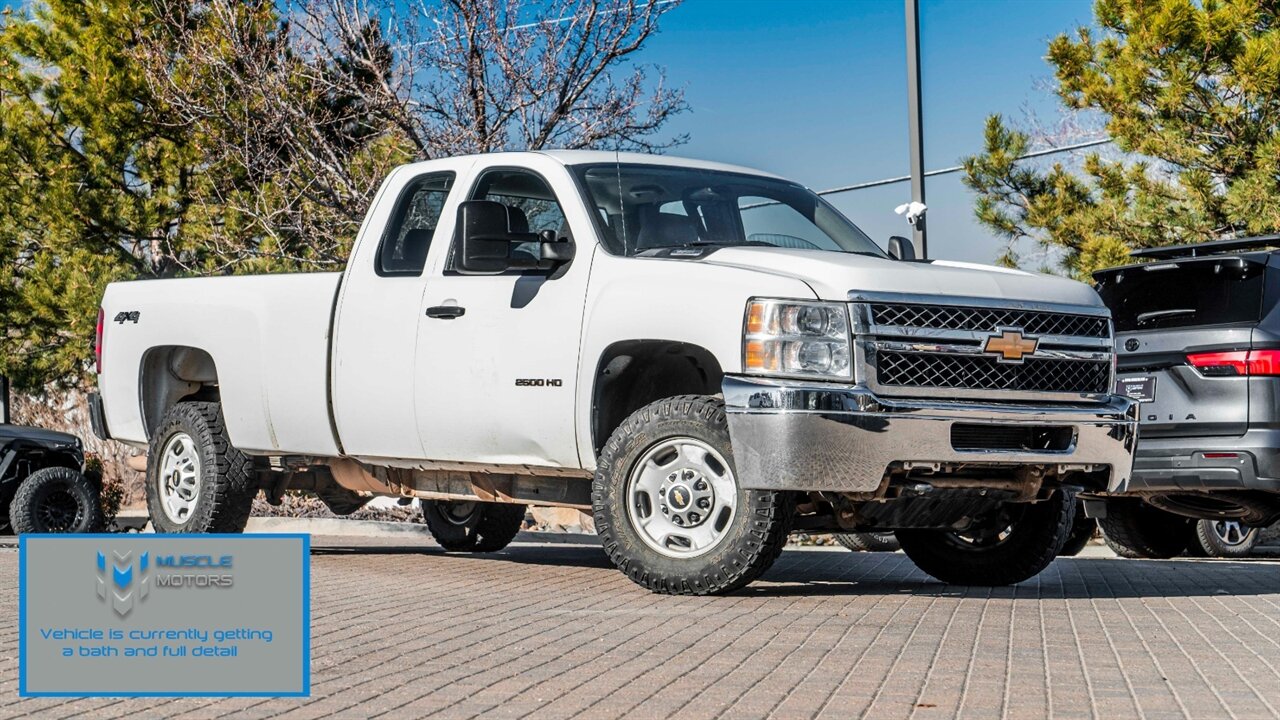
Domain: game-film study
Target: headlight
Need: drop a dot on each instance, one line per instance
(796, 337)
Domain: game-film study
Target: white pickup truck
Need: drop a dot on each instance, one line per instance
(705, 357)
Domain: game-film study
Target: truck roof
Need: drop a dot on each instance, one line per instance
(600, 157)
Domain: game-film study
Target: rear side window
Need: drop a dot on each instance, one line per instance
(1192, 293)
(413, 225)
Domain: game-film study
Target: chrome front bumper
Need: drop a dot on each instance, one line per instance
(798, 435)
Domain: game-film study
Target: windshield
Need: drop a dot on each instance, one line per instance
(644, 209)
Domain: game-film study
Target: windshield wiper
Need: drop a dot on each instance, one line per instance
(1157, 314)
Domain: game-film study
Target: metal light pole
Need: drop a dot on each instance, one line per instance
(915, 131)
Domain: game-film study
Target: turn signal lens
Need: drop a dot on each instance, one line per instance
(1236, 363)
(798, 338)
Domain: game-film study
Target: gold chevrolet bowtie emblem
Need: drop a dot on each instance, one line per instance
(1010, 346)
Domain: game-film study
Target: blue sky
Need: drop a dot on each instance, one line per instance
(814, 90)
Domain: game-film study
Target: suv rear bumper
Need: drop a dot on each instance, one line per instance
(1180, 464)
(801, 435)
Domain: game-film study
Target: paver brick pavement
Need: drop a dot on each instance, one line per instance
(553, 631)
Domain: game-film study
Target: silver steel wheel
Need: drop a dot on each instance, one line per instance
(1231, 532)
(681, 497)
(179, 478)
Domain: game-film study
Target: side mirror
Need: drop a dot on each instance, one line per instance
(487, 242)
(485, 238)
(901, 248)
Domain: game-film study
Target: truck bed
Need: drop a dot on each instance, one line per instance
(268, 336)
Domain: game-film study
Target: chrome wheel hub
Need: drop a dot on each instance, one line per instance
(681, 497)
(179, 478)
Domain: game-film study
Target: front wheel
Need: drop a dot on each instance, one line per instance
(196, 481)
(668, 507)
(1013, 543)
(472, 526)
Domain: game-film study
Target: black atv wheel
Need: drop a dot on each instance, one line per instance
(467, 526)
(56, 500)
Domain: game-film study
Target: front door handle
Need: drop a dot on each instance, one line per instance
(446, 312)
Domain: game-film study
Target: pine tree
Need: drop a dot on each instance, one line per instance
(94, 186)
(1191, 95)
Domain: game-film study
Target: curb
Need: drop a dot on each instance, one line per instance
(339, 527)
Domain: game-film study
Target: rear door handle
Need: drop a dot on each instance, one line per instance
(446, 312)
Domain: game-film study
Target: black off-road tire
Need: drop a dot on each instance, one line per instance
(56, 500)
(750, 542)
(1036, 533)
(472, 526)
(1208, 539)
(1082, 531)
(228, 483)
(869, 541)
(1133, 529)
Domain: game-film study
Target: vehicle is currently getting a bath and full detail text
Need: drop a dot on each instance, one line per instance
(705, 357)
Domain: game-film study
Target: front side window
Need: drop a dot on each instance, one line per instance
(644, 209)
(413, 224)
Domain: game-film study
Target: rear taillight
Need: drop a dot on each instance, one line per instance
(1239, 362)
(97, 343)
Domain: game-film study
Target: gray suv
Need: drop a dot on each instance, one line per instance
(1198, 345)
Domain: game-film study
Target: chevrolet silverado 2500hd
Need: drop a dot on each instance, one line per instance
(705, 357)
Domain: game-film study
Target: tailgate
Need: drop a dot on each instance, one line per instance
(1179, 327)
(1178, 400)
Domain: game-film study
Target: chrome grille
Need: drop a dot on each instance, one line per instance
(933, 349)
(948, 317)
(986, 373)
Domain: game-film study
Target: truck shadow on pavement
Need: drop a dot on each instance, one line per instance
(799, 573)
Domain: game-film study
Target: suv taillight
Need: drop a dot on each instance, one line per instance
(1239, 362)
(97, 343)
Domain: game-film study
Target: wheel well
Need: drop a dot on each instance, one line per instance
(171, 374)
(634, 373)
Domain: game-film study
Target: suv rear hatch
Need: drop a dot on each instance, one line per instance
(1185, 333)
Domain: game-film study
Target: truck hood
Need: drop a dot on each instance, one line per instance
(833, 275)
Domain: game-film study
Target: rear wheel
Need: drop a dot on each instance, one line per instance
(196, 481)
(472, 526)
(668, 507)
(1082, 531)
(1226, 538)
(1011, 544)
(56, 500)
(869, 541)
(1134, 529)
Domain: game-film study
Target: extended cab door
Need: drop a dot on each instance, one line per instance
(374, 369)
(498, 354)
